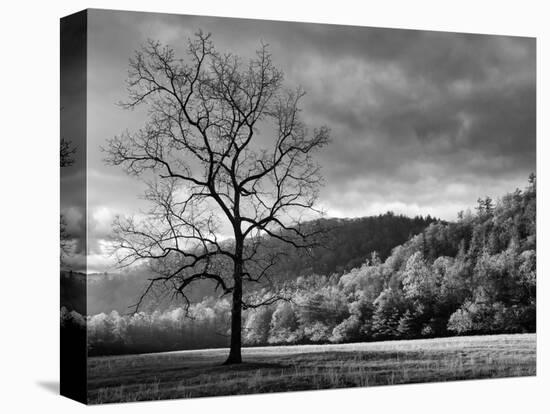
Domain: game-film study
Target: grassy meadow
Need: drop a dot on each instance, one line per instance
(199, 373)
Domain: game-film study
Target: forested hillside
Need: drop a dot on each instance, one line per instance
(477, 275)
(346, 243)
(473, 276)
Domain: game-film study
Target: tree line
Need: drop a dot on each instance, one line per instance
(473, 276)
(348, 242)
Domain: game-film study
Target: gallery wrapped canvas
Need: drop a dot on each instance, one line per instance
(253, 206)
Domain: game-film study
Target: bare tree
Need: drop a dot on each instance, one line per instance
(224, 151)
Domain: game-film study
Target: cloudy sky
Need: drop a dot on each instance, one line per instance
(422, 122)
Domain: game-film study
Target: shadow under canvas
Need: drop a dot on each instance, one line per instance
(50, 386)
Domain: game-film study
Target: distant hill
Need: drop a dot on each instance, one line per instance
(73, 291)
(347, 244)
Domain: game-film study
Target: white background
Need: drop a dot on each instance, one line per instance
(29, 206)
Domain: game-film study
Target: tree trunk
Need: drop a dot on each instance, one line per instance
(236, 316)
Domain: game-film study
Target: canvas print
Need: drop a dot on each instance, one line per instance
(253, 206)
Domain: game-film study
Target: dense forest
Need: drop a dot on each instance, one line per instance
(473, 276)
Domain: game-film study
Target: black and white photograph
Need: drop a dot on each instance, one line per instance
(275, 206)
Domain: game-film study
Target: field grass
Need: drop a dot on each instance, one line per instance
(308, 367)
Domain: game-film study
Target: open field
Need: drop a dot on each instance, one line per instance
(308, 367)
